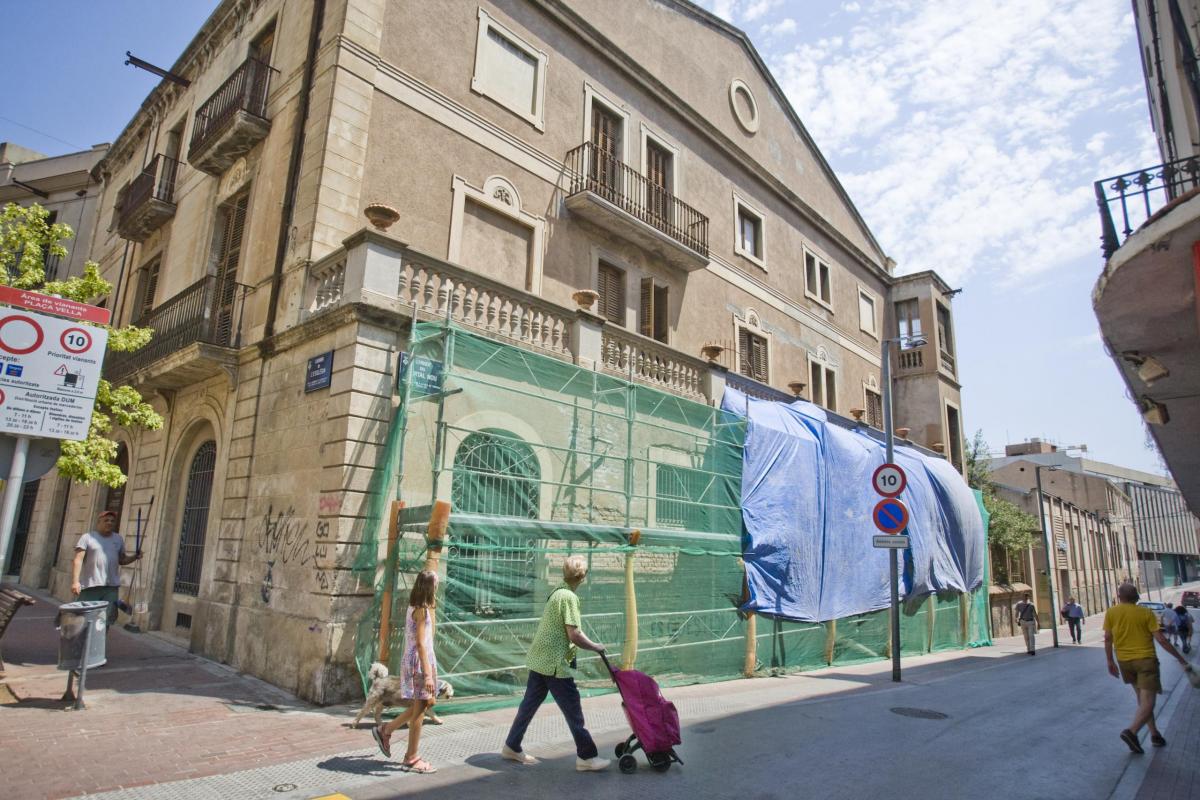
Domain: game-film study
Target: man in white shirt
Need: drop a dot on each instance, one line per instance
(1026, 614)
(1072, 614)
(96, 570)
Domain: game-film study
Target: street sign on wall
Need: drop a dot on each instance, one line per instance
(320, 372)
(49, 368)
(426, 377)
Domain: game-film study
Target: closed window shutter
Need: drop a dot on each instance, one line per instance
(830, 390)
(760, 357)
(745, 359)
(148, 290)
(612, 293)
(227, 265)
(660, 313)
(646, 308)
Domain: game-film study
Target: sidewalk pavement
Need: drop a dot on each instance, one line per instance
(162, 723)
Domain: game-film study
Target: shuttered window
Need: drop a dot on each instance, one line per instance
(874, 409)
(652, 312)
(229, 251)
(823, 383)
(606, 143)
(611, 289)
(752, 355)
(147, 289)
(659, 170)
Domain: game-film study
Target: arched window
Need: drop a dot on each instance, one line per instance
(195, 519)
(495, 473)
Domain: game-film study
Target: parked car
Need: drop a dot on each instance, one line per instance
(1165, 615)
(1190, 599)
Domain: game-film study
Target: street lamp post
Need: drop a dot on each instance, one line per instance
(889, 443)
(1037, 471)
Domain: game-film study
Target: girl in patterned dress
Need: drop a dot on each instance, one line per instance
(418, 672)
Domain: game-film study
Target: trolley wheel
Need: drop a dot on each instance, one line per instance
(627, 764)
(620, 749)
(660, 762)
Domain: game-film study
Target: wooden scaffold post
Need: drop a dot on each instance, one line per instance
(629, 652)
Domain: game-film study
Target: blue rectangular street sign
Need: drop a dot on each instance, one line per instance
(426, 377)
(320, 372)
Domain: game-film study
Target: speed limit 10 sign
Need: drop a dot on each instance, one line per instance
(889, 480)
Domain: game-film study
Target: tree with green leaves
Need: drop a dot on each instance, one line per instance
(26, 240)
(1009, 527)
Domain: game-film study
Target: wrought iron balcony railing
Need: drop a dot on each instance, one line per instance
(591, 169)
(149, 199)
(1133, 198)
(245, 90)
(207, 312)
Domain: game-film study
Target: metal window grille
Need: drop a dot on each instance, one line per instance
(195, 520)
(499, 475)
(679, 495)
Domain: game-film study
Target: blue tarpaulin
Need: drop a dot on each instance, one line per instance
(806, 506)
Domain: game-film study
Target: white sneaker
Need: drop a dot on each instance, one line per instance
(595, 764)
(513, 755)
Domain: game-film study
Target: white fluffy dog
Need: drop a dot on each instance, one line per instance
(385, 692)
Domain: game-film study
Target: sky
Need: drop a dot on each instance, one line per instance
(968, 135)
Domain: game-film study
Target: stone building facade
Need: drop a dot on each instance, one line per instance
(523, 152)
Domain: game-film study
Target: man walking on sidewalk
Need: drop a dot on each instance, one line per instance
(1072, 614)
(1131, 630)
(1027, 619)
(551, 658)
(99, 556)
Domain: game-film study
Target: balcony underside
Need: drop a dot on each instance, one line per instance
(1146, 304)
(144, 220)
(189, 365)
(594, 208)
(234, 140)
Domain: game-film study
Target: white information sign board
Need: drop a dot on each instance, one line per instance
(49, 369)
(890, 542)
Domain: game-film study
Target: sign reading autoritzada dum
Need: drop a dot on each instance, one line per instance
(49, 369)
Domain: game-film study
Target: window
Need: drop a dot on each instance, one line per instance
(231, 227)
(190, 558)
(823, 382)
(752, 355)
(945, 334)
(817, 280)
(114, 498)
(611, 288)
(680, 495)
(866, 313)
(652, 314)
(954, 437)
(260, 48)
(174, 144)
(908, 322)
(510, 71)
(608, 148)
(874, 409)
(660, 174)
(748, 239)
(147, 288)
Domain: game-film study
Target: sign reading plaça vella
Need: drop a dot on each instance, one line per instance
(49, 369)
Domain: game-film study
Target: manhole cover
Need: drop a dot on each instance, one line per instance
(284, 787)
(919, 713)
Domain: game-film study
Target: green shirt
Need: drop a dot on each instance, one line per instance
(551, 651)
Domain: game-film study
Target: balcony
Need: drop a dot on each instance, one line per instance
(910, 360)
(149, 200)
(196, 334)
(611, 195)
(1145, 302)
(946, 362)
(233, 120)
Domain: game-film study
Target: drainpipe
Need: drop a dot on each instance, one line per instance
(293, 177)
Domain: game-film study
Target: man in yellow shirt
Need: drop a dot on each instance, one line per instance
(1131, 631)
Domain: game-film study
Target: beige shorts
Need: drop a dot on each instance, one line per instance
(1142, 673)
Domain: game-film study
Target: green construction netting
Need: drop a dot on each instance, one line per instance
(541, 459)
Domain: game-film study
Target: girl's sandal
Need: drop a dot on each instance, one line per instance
(384, 747)
(420, 766)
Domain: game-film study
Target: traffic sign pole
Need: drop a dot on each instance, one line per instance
(12, 495)
(893, 555)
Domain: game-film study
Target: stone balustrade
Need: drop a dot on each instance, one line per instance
(642, 359)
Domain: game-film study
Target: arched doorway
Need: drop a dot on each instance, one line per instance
(495, 474)
(189, 548)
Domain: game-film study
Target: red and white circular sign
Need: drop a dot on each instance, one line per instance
(76, 340)
(20, 334)
(889, 480)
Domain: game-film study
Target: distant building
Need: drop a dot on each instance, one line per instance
(1146, 297)
(1139, 506)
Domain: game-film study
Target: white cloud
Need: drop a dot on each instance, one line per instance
(759, 8)
(784, 27)
(962, 130)
(851, 8)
